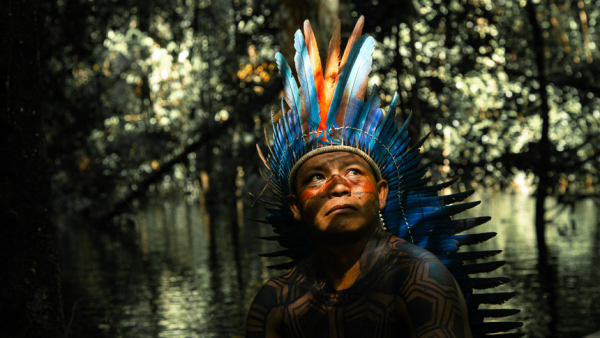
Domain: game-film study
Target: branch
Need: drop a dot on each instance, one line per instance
(124, 204)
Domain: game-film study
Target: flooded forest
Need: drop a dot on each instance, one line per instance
(130, 171)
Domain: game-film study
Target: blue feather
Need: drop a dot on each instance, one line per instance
(359, 121)
(298, 140)
(307, 81)
(371, 124)
(389, 120)
(354, 74)
(287, 124)
(276, 145)
(393, 104)
(290, 87)
(365, 124)
(354, 109)
(357, 118)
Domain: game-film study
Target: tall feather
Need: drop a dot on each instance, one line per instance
(308, 91)
(359, 120)
(288, 133)
(354, 77)
(262, 157)
(353, 38)
(369, 121)
(315, 61)
(331, 69)
(354, 109)
(290, 87)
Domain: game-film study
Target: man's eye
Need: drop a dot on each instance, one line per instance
(353, 172)
(316, 177)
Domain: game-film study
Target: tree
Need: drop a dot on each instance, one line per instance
(474, 68)
(131, 96)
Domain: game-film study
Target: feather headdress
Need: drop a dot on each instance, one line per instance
(327, 112)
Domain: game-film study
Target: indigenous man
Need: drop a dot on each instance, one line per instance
(362, 281)
(338, 167)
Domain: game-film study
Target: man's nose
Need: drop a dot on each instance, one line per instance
(338, 186)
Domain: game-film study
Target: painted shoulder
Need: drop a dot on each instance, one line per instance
(406, 251)
(417, 264)
(287, 288)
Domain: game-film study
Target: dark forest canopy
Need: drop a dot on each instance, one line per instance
(173, 94)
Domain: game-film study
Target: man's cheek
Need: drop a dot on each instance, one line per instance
(308, 195)
(368, 186)
(308, 213)
(364, 188)
(308, 201)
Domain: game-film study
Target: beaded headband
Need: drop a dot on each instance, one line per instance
(329, 149)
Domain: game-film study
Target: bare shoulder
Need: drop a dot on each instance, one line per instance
(275, 291)
(409, 251)
(418, 261)
(427, 294)
(265, 314)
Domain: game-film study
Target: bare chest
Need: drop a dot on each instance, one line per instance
(360, 313)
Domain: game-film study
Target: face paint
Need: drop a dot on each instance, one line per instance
(310, 193)
(357, 185)
(367, 187)
(337, 193)
(318, 190)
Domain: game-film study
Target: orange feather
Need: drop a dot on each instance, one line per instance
(355, 35)
(332, 65)
(315, 61)
(262, 157)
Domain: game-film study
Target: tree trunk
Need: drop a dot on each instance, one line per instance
(414, 129)
(322, 15)
(543, 160)
(30, 292)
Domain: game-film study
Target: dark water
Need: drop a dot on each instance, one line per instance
(192, 272)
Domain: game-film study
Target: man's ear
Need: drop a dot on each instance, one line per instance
(382, 191)
(291, 199)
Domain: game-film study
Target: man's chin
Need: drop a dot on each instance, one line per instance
(342, 231)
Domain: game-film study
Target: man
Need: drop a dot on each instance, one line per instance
(338, 167)
(362, 281)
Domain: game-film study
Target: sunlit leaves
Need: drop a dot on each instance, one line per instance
(144, 81)
(133, 85)
(473, 67)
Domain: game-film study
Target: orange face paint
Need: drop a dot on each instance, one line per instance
(367, 185)
(317, 190)
(357, 186)
(310, 193)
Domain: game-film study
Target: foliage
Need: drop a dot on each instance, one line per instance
(131, 86)
(474, 69)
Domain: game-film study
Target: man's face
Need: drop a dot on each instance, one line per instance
(337, 193)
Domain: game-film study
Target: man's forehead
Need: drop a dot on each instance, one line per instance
(336, 158)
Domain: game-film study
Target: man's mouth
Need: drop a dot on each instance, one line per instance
(340, 208)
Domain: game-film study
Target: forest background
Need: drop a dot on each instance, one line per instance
(109, 102)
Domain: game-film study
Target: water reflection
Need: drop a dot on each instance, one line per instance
(560, 297)
(192, 272)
